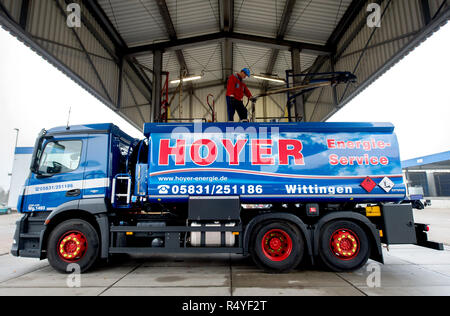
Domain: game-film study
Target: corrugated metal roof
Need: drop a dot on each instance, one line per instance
(284, 62)
(64, 44)
(402, 17)
(194, 17)
(253, 57)
(258, 17)
(314, 21)
(93, 62)
(13, 7)
(137, 21)
(206, 61)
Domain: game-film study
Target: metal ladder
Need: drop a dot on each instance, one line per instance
(115, 197)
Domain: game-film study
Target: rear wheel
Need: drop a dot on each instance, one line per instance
(73, 242)
(344, 246)
(277, 247)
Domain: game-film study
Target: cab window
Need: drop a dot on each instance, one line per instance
(60, 157)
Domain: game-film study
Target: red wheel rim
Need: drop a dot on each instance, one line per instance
(276, 245)
(72, 246)
(345, 244)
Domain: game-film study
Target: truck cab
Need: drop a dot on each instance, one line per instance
(72, 170)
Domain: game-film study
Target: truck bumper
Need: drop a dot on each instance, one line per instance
(27, 237)
(15, 245)
(399, 228)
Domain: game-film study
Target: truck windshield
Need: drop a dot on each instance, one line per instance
(60, 157)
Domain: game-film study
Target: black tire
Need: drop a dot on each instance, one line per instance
(91, 253)
(339, 263)
(288, 260)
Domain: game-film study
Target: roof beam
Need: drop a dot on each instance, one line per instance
(285, 18)
(170, 28)
(100, 16)
(343, 26)
(235, 38)
(227, 15)
(119, 44)
(423, 34)
(24, 14)
(227, 25)
(425, 6)
(346, 21)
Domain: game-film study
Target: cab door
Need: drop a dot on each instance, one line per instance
(59, 178)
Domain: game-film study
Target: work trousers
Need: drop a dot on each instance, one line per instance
(234, 105)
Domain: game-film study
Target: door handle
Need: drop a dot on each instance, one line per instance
(73, 193)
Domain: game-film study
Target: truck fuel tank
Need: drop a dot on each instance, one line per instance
(269, 163)
(212, 239)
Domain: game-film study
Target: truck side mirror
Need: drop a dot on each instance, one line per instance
(37, 152)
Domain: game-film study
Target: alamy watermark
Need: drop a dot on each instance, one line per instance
(73, 280)
(374, 18)
(374, 278)
(74, 17)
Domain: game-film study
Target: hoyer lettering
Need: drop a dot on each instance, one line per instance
(205, 152)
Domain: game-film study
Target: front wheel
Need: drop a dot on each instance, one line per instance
(278, 247)
(344, 246)
(73, 242)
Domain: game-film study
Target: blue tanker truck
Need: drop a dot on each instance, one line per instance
(286, 194)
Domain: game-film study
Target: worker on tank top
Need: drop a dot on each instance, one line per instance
(236, 89)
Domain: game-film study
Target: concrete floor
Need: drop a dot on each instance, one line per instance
(409, 271)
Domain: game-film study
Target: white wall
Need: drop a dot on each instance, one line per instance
(21, 170)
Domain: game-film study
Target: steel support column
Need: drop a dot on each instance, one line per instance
(157, 85)
(120, 84)
(265, 106)
(191, 103)
(299, 103)
(227, 59)
(334, 88)
(227, 26)
(170, 29)
(285, 19)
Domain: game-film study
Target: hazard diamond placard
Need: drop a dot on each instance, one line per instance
(386, 184)
(368, 184)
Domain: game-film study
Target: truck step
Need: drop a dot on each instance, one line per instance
(30, 236)
(36, 219)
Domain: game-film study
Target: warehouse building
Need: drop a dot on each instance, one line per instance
(429, 175)
(20, 172)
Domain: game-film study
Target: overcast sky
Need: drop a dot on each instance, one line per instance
(414, 95)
